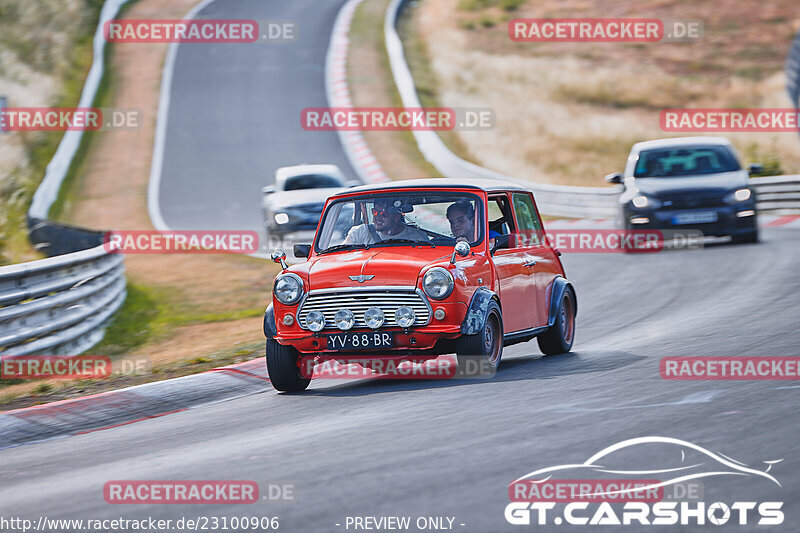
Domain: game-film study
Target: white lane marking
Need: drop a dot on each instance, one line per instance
(153, 206)
(336, 76)
(694, 398)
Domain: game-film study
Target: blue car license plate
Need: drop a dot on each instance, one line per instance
(696, 217)
(361, 341)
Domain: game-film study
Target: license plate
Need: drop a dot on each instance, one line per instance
(361, 341)
(699, 217)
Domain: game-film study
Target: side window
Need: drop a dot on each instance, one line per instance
(500, 219)
(530, 227)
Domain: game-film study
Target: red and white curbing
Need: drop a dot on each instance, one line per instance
(120, 407)
(764, 221)
(359, 154)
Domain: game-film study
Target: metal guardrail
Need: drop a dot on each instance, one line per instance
(774, 192)
(59, 305)
(777, 193)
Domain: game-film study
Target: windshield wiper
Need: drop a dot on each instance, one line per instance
(345, 247)
(404, 241)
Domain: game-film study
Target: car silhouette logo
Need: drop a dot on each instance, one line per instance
(703, 463)
(361, 278)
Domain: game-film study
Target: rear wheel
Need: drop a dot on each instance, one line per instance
(485, 347)
(284, 369)
(559, 337)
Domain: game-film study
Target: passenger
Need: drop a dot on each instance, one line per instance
(461, 216)
(389, 223)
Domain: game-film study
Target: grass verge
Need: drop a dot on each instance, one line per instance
(149, 315)
(19, 187)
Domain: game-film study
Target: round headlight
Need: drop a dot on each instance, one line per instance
(640, 201)
(315, 321)
(344, 319)
(438, 283)
(288, 288)
(739, 195)
(404, 316)
(374, 317)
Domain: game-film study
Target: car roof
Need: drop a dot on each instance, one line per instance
(679, 141)
(298, 170)
(488, 185)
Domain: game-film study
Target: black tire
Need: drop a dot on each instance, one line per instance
(745, 238)
(484, 347)
(283, 368)
(559, 338)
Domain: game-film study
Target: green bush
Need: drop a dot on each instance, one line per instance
(768, 159)
(487, 21)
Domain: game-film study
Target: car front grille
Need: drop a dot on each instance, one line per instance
(358, 301)
(691, 201)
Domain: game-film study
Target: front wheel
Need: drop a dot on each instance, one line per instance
(484, 347)
(559, 337)
(745, 238)
(283, 368)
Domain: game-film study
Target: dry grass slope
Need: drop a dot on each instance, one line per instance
(568, 112)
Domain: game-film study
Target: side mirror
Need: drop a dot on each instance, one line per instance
(279, 256)
(462, 248)
(616, 177)
(269, 189)
(302, 250)
(501, 241)
(756, 168)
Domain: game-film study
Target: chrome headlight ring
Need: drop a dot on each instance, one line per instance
(288, 288)
(438, 283)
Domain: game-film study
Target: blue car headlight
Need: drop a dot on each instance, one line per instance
(738, 196)
(645, 202)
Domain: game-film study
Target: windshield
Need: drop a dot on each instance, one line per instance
(685, 161)
(410, 218)
(311, 181)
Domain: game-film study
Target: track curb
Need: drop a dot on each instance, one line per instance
(116, 408)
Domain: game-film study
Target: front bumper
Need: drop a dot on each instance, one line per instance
(424, 340)
(728, 222)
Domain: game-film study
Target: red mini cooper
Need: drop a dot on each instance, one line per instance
(415, 269)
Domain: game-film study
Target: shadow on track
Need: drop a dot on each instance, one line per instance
(519, 368)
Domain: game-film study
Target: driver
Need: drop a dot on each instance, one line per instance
(389, 223)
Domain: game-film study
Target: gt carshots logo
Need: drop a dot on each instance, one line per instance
(583, 494)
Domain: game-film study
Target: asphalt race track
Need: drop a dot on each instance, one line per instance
(234, 116)
(431, 448)
(445, 448)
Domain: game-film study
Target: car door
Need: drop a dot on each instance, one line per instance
(539, 259)
(512, 275)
